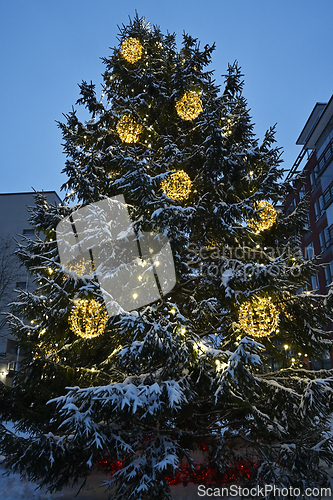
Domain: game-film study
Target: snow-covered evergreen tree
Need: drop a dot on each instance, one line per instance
(216, 363)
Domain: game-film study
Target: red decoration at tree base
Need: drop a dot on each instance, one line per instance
(199, 474)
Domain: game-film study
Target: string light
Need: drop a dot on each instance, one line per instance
(131, 50)
(88, 319)
(177, 186)
(51, 355)
(200, 473)
(128, 129)
(284, 306)
(259, 317)
(189, 106)
(112, 176)
(80, 267)
(50, 352)
(267, 217)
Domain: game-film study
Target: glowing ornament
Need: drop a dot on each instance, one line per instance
(189, 106)
(177, 186)
(128, 129)
(267, 217)
(259, 317)
(88, 319)
(131, 50)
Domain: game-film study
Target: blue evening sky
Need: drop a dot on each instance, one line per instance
(47, 47)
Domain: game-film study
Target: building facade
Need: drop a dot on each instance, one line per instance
(316, 162)
(14, 227)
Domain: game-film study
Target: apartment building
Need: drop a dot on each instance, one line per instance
(316, 162)
(14, 226)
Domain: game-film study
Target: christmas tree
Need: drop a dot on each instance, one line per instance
(210, 362)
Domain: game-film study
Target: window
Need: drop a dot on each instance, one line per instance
(312, 179)
(291, 207)
(310, 251)
(307, 222)
(11, 366)
(28, 232)
(323, 239)
(328, 278)
(325, 143)
(315, 282)
(316, 170)
(318, 206)
(331, 268)
(316, 209)
(301, 192)
(327, 235)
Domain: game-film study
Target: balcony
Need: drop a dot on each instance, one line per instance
(325, 157)
(322, 162)
(328, 195)
(329, 235)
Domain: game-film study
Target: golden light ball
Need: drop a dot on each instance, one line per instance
(88, 319)
(128, 129)
(131, 50)
(177, 186)
(267, 217)
(259, 317)
(189, 106)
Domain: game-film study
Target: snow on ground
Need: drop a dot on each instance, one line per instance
(14, 488)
